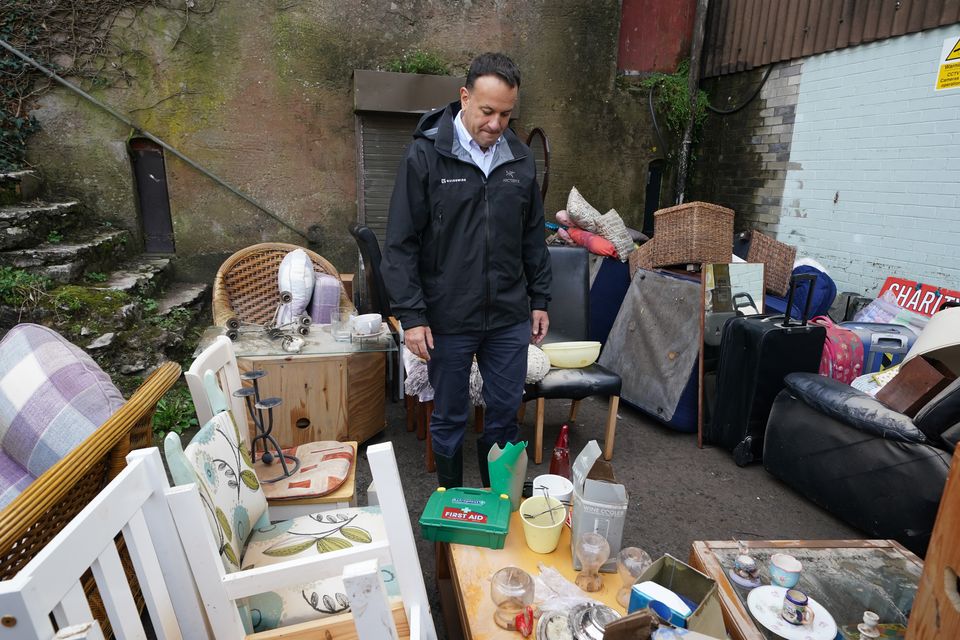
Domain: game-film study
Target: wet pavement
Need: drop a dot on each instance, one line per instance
(678, 493)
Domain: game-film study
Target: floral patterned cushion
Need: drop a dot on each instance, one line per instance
(324, 467)
(310, 535)
(228, 486)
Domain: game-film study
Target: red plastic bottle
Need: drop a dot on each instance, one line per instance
(560, 461)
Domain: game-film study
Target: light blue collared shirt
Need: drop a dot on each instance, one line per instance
(483, 159)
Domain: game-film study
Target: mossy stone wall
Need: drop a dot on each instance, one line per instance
(260, 93)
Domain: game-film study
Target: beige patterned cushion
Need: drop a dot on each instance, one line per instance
(324, 466)
(580, 211)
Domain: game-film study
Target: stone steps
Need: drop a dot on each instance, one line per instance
(143, 275)
(25, 225)
(183, 295)
(19, 186)
(67, 260)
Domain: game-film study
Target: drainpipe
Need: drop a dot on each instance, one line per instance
(696, 47)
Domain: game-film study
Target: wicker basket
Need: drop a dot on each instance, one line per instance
(641, 258)
(692, 233)
(245, 286)
(777, 259)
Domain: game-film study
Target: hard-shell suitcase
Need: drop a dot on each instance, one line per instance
(756, 352)
(884, 345)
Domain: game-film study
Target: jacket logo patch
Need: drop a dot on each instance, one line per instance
(449, 180)
(510, 174)
(510, 177)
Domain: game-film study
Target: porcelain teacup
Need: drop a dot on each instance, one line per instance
(784, 570)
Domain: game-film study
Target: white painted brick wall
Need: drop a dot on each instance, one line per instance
(871, 133)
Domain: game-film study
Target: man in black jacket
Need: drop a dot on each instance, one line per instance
(465, 263)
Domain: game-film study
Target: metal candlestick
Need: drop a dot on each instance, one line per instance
(251, 396)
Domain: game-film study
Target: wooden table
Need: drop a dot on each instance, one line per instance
(846, 576)
(331, 390)
(464, 572)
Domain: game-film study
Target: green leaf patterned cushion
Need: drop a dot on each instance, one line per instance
(301, 537)
(229, 489)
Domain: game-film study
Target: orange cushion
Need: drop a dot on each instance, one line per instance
(324, 466)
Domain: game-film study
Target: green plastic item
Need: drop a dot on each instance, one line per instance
(508, 470)
(476, 517)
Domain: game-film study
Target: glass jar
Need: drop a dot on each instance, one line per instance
(512, 590)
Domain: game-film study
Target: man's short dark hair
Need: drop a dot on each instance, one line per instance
(487, 64)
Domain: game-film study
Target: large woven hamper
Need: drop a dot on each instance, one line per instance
(777, 259)
(692, 233)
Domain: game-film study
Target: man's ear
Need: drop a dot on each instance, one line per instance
(464, 96)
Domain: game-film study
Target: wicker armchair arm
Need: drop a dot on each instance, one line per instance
(107, 445)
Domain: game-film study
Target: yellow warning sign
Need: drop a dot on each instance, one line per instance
(948, 68)
(955, 53)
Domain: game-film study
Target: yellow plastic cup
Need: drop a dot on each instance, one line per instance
(543, 520)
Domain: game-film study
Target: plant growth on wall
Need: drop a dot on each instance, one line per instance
(671, 99)
(418, 61)
(72, 39)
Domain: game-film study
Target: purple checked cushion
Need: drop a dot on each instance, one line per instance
(52, 396)
(13, 479)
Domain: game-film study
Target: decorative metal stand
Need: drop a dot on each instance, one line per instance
(251, 396)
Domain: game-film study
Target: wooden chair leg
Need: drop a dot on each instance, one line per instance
(611, 427)
(427, 412)
(478, 419)
(574, 405)
(522, 412)
(423, 419)
(411, 405)
(538, 434)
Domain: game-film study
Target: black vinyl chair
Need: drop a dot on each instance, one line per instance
(570, 321)
(375, 299)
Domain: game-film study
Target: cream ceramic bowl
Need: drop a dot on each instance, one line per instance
(572, 355)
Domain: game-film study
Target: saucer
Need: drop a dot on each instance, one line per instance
(375, 334)
(743, 582)
(765, 603)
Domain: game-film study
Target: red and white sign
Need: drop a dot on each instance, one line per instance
(924, 299)
(450, 513)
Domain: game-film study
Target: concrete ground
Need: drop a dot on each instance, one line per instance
(678, 493)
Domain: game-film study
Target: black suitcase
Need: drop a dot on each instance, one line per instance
(756, 352)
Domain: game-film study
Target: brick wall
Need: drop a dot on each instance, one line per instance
(742, 158)
(873, 184)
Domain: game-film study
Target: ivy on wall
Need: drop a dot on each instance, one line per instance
(672, 102)
(72, 38)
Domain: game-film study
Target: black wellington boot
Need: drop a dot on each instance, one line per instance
(482, 451)
(449, 469)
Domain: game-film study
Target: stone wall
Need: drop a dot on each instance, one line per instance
(261, 95)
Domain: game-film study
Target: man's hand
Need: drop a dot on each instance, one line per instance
(419, 340)
(539, 323)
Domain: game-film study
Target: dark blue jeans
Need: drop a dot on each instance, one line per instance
(502, 358)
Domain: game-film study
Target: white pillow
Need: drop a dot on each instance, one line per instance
(296, 277)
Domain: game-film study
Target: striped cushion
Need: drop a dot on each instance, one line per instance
(52, 396)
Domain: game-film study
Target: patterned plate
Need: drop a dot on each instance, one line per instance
(765, 603)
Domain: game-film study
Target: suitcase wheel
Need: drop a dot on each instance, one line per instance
(743, 452)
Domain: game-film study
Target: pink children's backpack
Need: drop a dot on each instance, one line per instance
(842, 357)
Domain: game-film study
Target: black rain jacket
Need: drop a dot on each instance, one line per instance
(464, 252)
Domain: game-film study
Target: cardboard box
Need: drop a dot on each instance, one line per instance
(599, 503)
(681, 578)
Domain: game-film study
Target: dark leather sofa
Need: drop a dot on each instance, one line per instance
(872, 467)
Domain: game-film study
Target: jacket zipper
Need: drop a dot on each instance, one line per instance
(486, 255)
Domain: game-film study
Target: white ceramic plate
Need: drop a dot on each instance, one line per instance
(766, 602)
(376, 334)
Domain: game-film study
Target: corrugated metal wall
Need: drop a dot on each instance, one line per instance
(743, 34)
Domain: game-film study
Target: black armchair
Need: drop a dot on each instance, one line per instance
(872, 467)
(570, 321)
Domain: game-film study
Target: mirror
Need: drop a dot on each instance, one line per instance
(729, 290)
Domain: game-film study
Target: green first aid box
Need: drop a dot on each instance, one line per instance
(475, 517)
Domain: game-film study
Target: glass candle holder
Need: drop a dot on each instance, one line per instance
(512, 590)
(592, 551)
(631, 563)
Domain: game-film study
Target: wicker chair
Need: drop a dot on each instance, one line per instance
(51, 501)
(245, 287)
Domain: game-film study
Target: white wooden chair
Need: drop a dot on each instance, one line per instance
(134, 505)
(220, 359)
(247, 570)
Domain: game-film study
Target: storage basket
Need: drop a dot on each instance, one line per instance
(641, 258)
(777, 259)
(692, 233)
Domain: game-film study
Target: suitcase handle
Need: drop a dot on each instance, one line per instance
(794, 281)
(888, 340)
(743, 295)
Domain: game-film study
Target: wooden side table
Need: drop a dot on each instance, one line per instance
(464, 572)
(846, 576)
